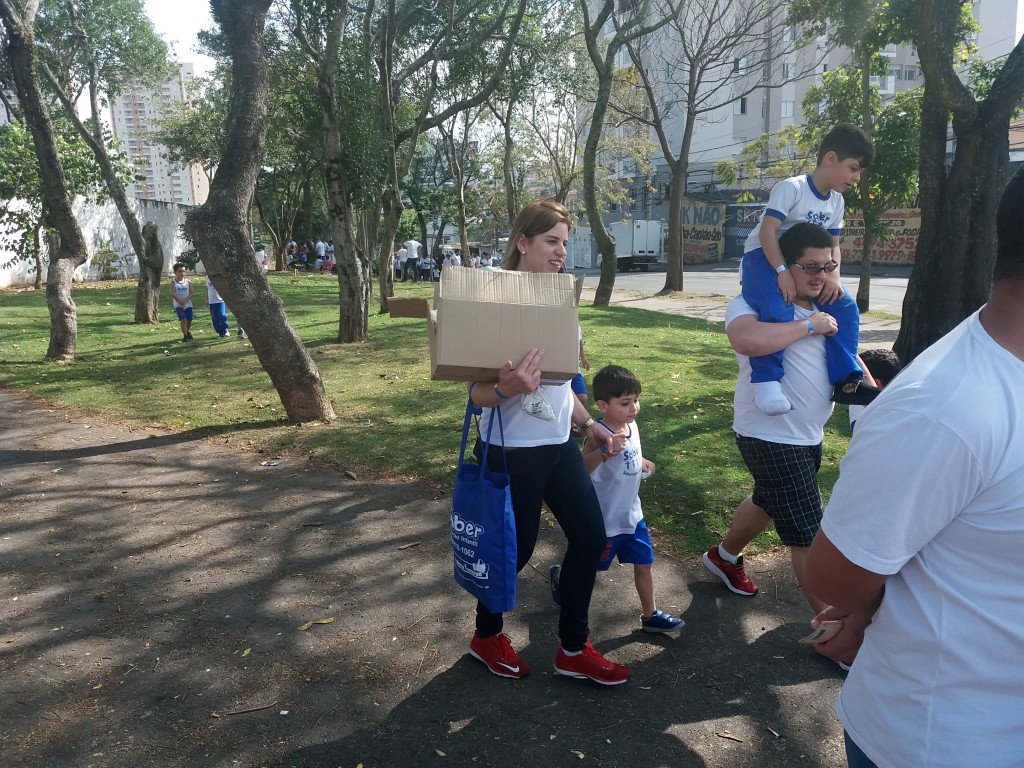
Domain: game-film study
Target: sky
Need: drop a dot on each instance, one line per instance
(178, 21)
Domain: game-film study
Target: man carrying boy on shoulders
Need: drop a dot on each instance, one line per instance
(783, 453)
(769, 286)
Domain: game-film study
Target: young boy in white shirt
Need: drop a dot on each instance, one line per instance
(181, 296)
(617, 482)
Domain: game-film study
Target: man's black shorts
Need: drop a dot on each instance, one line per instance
(786, 486)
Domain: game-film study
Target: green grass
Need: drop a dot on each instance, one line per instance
(883, 315)
(393, 422)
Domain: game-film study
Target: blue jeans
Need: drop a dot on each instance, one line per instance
(855, 757)
(761, 292)
(553, 474)
(219, 316)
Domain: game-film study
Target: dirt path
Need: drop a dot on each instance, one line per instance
(152, 587)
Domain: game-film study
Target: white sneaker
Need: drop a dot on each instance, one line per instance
(769, 399)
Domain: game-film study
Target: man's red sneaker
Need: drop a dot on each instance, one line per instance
(734, 576)
(590, 664)
(499, 656)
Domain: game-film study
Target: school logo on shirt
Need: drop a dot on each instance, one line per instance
(630, 456)
(817, 217)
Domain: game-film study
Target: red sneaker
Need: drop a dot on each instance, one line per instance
(734, 576)
(499, 656)
(591, 664)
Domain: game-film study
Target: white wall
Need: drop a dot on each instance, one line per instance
(101, 222)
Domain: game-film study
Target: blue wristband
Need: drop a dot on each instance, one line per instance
(499, 393)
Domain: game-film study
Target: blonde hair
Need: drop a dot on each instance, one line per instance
(535, 219)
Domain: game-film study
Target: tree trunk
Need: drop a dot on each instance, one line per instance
(307, 209)
(63, 312)
(391, 216)
(674, 269)
(218, 228)
(511, 191)
(72, 251)
(353, 261)
(605, 241)
(37, 254)
(354, 278)
(864, 286)
(151, 270)
(460, 199)
(956, 249)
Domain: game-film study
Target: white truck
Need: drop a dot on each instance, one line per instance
(637, 243)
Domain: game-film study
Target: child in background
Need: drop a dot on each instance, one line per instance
(425, 267)
(617, 482)
(218, 310)
(181, 295)
(816, 197)
(579, 386)
(881, 365)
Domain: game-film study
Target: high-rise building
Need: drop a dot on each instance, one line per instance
(133, 119)
(781, 80)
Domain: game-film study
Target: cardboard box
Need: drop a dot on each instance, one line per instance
(482, 319)
(408, 307)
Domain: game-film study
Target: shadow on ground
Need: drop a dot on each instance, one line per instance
(153, 590)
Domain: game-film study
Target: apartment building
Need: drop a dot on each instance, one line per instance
(133, 119)
(787, 70)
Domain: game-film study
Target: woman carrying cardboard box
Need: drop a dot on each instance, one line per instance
(545, 466)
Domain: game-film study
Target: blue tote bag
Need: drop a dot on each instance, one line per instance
(483, 527)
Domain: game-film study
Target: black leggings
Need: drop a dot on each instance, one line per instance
(554, 474)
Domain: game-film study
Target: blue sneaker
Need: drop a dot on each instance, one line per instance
(661, 622)
(556, 589)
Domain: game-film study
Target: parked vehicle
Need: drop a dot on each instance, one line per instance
(637, 244)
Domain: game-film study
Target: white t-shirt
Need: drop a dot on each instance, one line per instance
(181, 291)
(931, 493)
(855, 413)
(456, 260)
(617, 482)
(321, 248)
(212, 296)
(412, 249)
(794, 200)
(523, 430)
(806, 384)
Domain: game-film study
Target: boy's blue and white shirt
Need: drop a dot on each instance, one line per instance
(617, 482)
(796, 200)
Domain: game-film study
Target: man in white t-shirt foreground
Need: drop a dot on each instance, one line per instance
(783, 453)
(920, 549)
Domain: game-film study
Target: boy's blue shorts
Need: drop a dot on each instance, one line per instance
(579, 386)
(632, 548)
(184, 314)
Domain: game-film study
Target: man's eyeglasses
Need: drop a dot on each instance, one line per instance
(814, 269)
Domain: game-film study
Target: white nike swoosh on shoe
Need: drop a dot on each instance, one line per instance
(509, 667)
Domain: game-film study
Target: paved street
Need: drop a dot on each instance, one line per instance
(888, 284)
